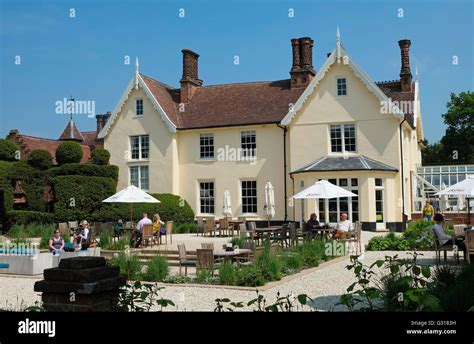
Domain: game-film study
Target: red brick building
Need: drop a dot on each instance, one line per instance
(87, 139)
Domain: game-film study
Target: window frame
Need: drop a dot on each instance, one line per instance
(345, 86)
(244, 151)
(342, 128)
(136, 107)
(140, 148)
(200, 204)
(200, 157)
(139, 176)
(253, 204)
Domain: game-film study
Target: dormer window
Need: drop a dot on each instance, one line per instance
(139, 107)
(341, 87)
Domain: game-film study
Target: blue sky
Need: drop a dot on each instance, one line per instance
(84, 56)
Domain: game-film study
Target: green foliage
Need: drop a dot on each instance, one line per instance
(69, 152)
(89, 170)
(105, 239)
(6, 192)
(40, 159)
(312, 253)
(21, 234)
(185, 228)
(119, 245)
(249, 276)
(26, 217)
(269, 265)
(129, 265)
(8, 150)
(453, 287)
(177, 279)
(418, 235)
(100, 156)
(138, 297)
(158, 269)
(227, 274)
(292, 262)
(79, 196)
(238, 241)
(205, 277)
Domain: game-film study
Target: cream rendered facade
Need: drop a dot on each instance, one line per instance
(175, 166)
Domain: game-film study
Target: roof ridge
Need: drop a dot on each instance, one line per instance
(365, 163)
(160, 82)
(244, 83)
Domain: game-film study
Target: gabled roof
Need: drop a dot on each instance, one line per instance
(349, 163)
(71, 132)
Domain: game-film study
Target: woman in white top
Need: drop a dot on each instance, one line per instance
(82, 239)
(443, 238)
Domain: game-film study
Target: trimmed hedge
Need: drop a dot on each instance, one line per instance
(8, 150)
(77, 197)
(172, 207)
(40, 159)
(69, 152)
(27, 217)
(89, 170)
(6, 192)
(100, 156)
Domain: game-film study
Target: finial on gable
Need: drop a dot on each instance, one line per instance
(416, 72)
(338, 45)
(137, 66)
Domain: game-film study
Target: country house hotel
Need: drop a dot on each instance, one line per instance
(328, 120)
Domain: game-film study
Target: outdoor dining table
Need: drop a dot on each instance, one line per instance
(229, 255)
(323, 232)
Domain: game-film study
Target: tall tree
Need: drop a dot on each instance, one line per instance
(458, 142)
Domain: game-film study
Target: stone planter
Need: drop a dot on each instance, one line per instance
(82, 284)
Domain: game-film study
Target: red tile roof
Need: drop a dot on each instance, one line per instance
(242, 103)
(89, 137)
(392, 90)
(71, 132)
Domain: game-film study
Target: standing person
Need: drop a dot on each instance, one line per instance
(343, 227)
(136, 238)
(56, 242)
(428, 211)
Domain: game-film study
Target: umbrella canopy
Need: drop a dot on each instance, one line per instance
(269, 206)
(323, 189)
(461, 202)
(463, 188)
(227, 207)
(131, 194)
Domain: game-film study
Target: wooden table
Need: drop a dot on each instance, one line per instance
(229, 255)
(323, 232)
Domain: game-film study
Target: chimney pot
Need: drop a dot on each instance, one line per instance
(190, 80)
(405, 72)
(302, 71)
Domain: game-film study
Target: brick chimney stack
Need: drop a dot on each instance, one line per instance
(405, 73)
(102, 120)
(302, 71)
(190, 80)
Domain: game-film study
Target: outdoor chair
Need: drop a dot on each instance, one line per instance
(207, 246)
(354, 237)
(250, 257)
(206, 261)
(169, 232)
(185, 259)
(201, 224)
(445, 248)
(246, 234)
(459, 229)
(282, 237)
(296, 235)
(225, 227)
(210, 226)
(147, 236)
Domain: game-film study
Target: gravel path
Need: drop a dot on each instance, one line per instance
(324, 286)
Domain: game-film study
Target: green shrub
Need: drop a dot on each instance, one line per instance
(8, 150)
(6, 192)
(390, 242)
(119, 245)
(419, 234)
(238, 241)
(249, 276)
(185, 228)
(158, 269)
(79, 196)
(100, 156)
(69, 152)
(90, 170)
(40, 159)
(227, 274)
(269, 265)
(177, 279)
(292, 262)
(312, 253)
(26, 217)
(205, 276)
(105, 239)
(129, 265)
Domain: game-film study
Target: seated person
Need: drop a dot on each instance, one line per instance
(343, 227)
(56, 242)
(118, 227)
(312, 222)
(158, 230)
(82, 239)
(136, 237)
(443, 238)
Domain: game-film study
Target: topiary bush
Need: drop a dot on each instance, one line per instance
(77, 197)
(8, 150)
(100, 156)
(40, 159)
(6, 192)
(69, 152)
(27, 217)
(90, 170)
